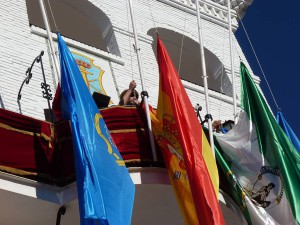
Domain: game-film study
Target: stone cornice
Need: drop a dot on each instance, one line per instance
(240, 6)
(213, 10)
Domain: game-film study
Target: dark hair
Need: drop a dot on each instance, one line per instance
(131, 95)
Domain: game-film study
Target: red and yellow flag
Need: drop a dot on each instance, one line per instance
(190, 162)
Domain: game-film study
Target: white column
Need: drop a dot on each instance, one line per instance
(145, 99)
(232, 62)
(203, 68)
(52, 49)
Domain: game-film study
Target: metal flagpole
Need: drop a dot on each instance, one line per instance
(203, 67)
(232, 62)
(145, 99)
(49, 34)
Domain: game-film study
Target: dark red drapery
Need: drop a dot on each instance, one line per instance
(43, 151)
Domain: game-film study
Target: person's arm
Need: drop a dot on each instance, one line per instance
(126, 97)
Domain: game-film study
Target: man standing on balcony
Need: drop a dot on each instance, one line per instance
(129, 96)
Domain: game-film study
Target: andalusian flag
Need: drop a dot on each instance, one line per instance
(262, 164)
(187, 154)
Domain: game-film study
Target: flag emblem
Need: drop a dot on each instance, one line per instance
(105, 188)
(91, 73)
(267, 190)
(108, 141)
(189, 160)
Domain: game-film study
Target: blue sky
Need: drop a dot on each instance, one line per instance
(274, 30)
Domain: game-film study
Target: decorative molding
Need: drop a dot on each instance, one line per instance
(240, 6)
(211, 11)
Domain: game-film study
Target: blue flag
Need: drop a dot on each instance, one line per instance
(105, 189)
(288, 130)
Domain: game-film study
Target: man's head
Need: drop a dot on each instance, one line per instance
(134, 96)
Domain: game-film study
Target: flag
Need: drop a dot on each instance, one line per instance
(263, 166)
(288, 131)
(105, 189)
(187, 154)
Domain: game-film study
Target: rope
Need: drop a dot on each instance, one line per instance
(223, 56)
(259, 64)
(128, 21)
(52, 16)
(236, 50)
(220, 105)
(181, 48)
(152, 17)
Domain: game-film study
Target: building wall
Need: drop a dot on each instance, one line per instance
(19, 46)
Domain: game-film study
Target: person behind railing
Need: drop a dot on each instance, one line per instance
(217, 126)
(130, 96)
(220, 127)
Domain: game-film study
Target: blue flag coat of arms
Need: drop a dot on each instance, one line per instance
(105, 189)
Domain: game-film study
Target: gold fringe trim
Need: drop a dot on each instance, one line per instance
(138, 160)
(126, 131)
(119, 106)
(17, 171)
(132, 160)
(46, 137)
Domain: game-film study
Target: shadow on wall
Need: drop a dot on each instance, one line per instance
(85, 22)
(1, 103)
(185, 54)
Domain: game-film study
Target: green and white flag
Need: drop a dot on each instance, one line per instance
(261, 165)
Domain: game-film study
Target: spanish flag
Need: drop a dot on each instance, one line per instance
(190, 162)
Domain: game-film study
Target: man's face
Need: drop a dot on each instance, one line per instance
(133, 99)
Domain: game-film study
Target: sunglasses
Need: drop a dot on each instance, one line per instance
(132, 94)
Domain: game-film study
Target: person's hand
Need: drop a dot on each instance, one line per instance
(132, 85)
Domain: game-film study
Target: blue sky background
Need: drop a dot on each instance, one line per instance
(274, 30)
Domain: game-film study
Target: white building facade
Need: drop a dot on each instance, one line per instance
(101, 31)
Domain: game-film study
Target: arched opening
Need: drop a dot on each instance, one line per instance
(78, 20)
(190, 63)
